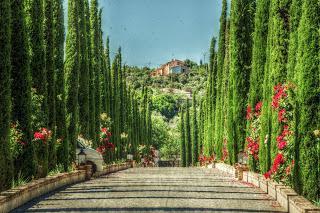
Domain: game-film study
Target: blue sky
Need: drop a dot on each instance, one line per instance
(152, 32)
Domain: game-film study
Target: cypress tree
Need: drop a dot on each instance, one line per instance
(96, 64)
(92, 105)
(183, 153)
(21, 89)
(210, 100)
(220, 62)
(195, 135)
(108, 77)
(35, 29)
(260, 36)
(225, 93)
(61, 134)
(72, 75)
(83, 72)
(240, 60)
(278, 57)
(5, 102)
(48, 44)
(295, 14)
(308, 72)
(188, 141)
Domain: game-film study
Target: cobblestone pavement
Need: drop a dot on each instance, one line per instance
(157, 190)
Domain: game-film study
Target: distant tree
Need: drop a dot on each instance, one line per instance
(188, 140)
(195, 134)
(183, 140)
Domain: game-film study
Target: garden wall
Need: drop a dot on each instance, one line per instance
(18, 196)
(286, 197)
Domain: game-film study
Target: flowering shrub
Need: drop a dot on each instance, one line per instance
(254, 129)
(204, 160)
(16, 142)
(44, 135)
(106, 145)
(225, 152)
(283, 162)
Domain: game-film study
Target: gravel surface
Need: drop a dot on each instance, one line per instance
(157, 190)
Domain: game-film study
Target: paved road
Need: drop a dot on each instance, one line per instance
(157, 190)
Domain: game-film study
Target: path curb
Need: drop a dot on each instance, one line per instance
(284, 195)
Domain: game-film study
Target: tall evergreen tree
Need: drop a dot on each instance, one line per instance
(210, 100)
(21, 88)
(83, 72)
(5, 102)
(220, 62)
(308, 72)
(278, 57)
(72, 75)
(195, 133)
(61, 134)
(96, 64)
(108, 76)
(188, 141)
(241, 28)
(260, 36)
(295, 15)
(183, 153)
(35, 29)
(51, 75)
(92, 102)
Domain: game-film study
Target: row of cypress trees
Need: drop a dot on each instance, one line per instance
(262, 44)
(64, 89)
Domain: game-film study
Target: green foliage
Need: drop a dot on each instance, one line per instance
(61, 130)
(183, 153)
(166, 104)
(307, 71)
(195, 131)
(84, 71)
(260, 37)
(72, 76)
(5, 102)
(188, 141)
(51, 75)
(21, 88)
(241, 28)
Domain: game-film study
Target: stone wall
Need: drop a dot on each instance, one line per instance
(283, 194)
(18, 196)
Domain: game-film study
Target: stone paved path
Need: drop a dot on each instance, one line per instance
(157, 190)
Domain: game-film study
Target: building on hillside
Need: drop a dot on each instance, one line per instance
(172, 67)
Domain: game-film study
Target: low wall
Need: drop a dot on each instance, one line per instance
(113, 168)
(284, 195)
(18, 196)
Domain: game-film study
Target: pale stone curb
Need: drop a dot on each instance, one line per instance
(284, 195)
(18, 196)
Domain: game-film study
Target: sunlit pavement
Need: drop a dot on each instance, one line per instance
(157, 190)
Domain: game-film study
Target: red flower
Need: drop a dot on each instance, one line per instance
(248, 116)
(282, 145)
(267, 175)
(39, 136)
(258, 106)
(104, 130)
(281, 115)
(277, 162)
